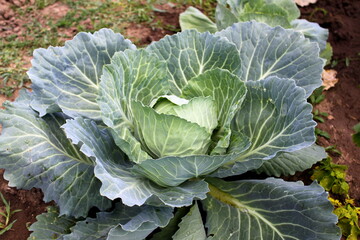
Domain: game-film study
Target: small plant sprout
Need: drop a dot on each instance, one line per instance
(356, 135)
(6, 214)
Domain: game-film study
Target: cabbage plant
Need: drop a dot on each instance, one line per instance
(152, 143)
(283, 13)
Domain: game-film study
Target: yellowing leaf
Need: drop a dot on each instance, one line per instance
(350, 201)
(335, 202)
(329, 79)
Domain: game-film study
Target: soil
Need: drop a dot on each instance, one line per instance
(29, 202)
(341, 17)
(168, 16)
(12, 23)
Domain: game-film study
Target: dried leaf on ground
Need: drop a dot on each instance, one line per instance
(329, 78)
(303, 3)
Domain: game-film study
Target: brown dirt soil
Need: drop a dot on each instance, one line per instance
(29, 202)
(343, 101)
(11, 23)
(168, 16)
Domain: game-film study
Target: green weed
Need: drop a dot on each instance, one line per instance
(333, 150)
(6, 225)
(348, 215)
(332, 177)
(317, 96)
(356, 135)
(318, 116)
(322, 10)
(40, 4)
(347, 61)
(322, 133)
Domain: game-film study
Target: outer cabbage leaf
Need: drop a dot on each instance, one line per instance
(237, 168)
(136, 190)
(271, 12)
(132, 75)
(193, 18)
(36, 153)
(190, 53)
(289, 6)
(287, 163)
(50, 225)
(68, 77)
(228, 91)
(239, 6)
(275, 117)
(170, 229)
(312, 31)
(267, 51)
(168, 135)
(327, 54)
(191, 227)
(224, 17)
(118, 181)
(126, 223)
(269, 209)
(121, 223)
(235, 5)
